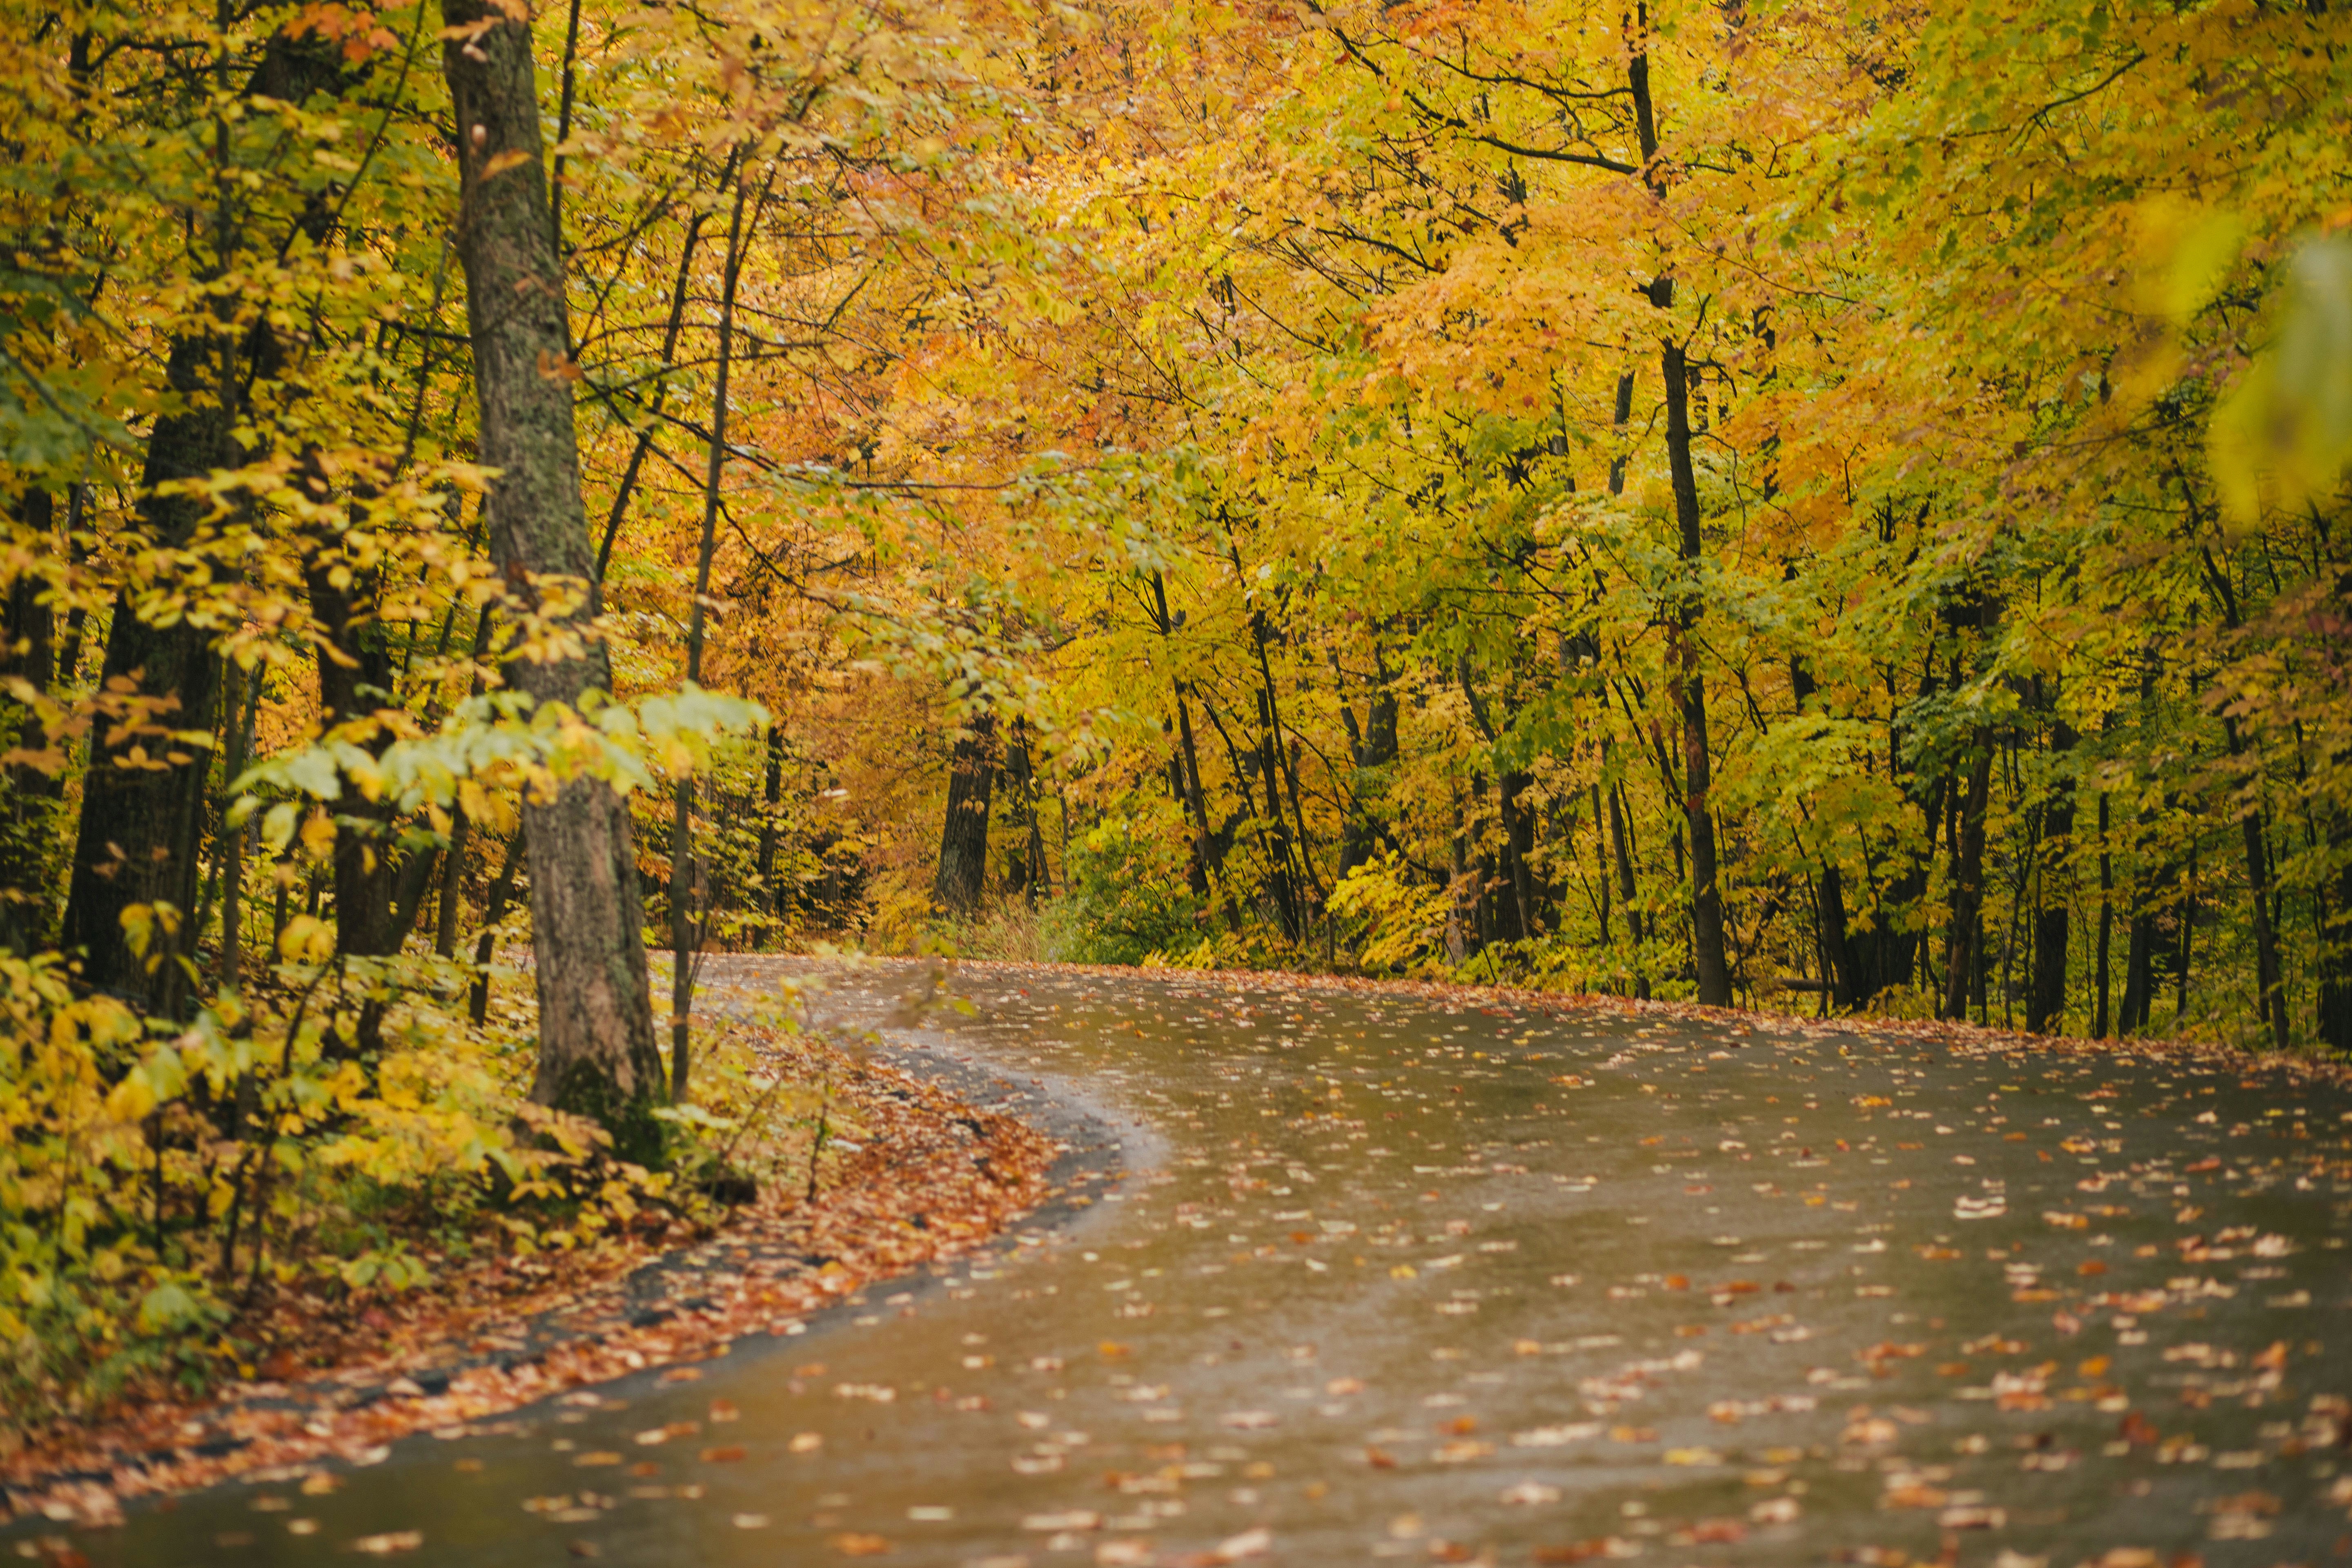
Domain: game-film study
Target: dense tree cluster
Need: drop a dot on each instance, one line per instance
(1825, 506)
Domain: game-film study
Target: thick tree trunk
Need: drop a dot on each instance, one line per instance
(2046, 1008)
(143, 796)
(963, 836)
(596, 1053)
(140, 837)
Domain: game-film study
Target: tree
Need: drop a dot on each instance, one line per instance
(596, 1053)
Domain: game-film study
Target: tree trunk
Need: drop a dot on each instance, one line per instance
(25, 823)
(2139, 972)
(963, 836)
(2335, 932)
(1708, 958)
(138, 837)
(1965, 936)
(1207, 861)
(1269, 763)
(1373, 752)
(453, 885)
(2270, 997)
(1290, 898)
(354, 680)
(1626, 889)
(1519, 846)
(688, 923)
(244, 703)
(771, 796)
(1690, 688)
(1024, 872)
(596, 1053)
(142, 815)
(2046, 1007)
(2106, 924)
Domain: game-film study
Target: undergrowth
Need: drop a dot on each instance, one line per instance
(181, 1204)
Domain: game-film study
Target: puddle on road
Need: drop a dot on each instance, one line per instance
(1424, 1281)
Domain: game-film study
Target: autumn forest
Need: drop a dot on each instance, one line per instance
(1814, 508)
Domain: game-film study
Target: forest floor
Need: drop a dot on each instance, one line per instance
(928, 1174)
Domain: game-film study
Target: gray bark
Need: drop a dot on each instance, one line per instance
(596, 1052)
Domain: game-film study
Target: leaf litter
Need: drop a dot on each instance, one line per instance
(931, 1177)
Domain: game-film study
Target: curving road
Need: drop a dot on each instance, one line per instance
(1383, 1277)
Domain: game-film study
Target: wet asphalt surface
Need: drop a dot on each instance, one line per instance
(1345, 1276)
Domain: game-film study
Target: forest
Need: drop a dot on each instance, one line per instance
(1823, 508)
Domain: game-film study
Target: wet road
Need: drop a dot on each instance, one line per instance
(1397, 1279)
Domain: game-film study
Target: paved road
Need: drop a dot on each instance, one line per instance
(1386, 1278)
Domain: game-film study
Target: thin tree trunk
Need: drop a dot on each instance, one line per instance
(355, 678)
(1708, 951)
(1965, 938)
(1624, 413)
(1289, 897)
(1025, 869)
(1602, 887)
(1278, 830)
(597, 1051)
(684, 928)
(494, 909)
(453, 885)
(232, 942)
(2269, 998)
(1840, 982)
(2188, 938)
(771, 798)
(1519, 846)
(1207, 862)
(2335, 934)
(627, 488)
(2106, 921)
(25, 831)
(2046, 1007)
(1690, 688)
(1626, 889)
